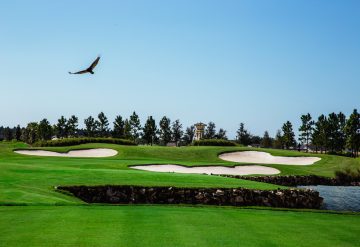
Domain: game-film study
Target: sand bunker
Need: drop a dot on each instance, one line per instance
(88, 153)
(237, 170)
(266, 158)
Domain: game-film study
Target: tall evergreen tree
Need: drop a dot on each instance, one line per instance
(221, 134)
(243, 136)
(127, 129)
(18, 133)
(72, 126)
(135, 126)
(149, 131)
(91, 126)
(165, 131)
(61, 127)
(177, 131)
(278, 142)
(103, 125)
(352, 133)
(210, 131)
(306, 130)
(1, 133)
(30, 133)
(119, 127)
(342, 137)
(335, 132)
(266, 141)
(256, 140)
(189, 135)
(288, 135)
(320, 133)
(44, 131)
(8, 134)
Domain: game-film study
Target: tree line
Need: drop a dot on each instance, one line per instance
(334, 133)
(130, 128)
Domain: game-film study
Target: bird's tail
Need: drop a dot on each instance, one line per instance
(70, 73)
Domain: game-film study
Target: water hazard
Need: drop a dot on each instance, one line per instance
(339, 198)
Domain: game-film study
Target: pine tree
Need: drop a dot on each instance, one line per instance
(335, 132)
(165, 131)
(1, 133)
(306, 130)
(278, 142)
(243, 136)
(30, 133)
(135, 126)
(91, 126)
(177, 131)
(340, 145)
(210, 131)
(288, 135)
(72, 126)
(119, 127)
(8, 135)
(320, 134)
(221, 134)
(127, 129)
(44, 131)
(266, 141)
(149, 131)
(352, 133)
(61, 127)
(18, 133)
(189, 135)
(103, 125)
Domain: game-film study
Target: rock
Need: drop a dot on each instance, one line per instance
(208, 196)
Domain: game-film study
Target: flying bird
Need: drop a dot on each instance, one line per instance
(88, 70)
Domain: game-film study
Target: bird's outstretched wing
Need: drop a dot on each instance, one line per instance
(92, 66)
(79, 72)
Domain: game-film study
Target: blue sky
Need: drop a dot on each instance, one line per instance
(257, 62)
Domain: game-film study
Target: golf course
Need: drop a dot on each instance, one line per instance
(33, 213)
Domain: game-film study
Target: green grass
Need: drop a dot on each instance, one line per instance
(173, 226)
(30, 181)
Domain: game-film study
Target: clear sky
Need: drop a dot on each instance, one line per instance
(257, 62)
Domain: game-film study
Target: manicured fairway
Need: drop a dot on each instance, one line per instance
(30, 181)
(173, 226)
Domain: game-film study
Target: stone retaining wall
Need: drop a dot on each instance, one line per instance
(208, 196)
(295, 180)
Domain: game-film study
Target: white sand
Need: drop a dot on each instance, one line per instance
(237, 170)
(88, 153)
(266, 158)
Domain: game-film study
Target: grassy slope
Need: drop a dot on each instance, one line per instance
(30, 180)
(173, 226)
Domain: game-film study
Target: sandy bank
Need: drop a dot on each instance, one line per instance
(237, 170)
(266, 158)
(87, 153)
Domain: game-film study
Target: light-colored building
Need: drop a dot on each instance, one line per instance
(199, 131)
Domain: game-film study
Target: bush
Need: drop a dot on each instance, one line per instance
(348, 175)
(214, 142)
(78, 141)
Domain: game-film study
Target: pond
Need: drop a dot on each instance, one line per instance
(339, 198)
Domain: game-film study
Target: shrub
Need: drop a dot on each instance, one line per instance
(348, 175)
(78, 141)
(214, 142)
